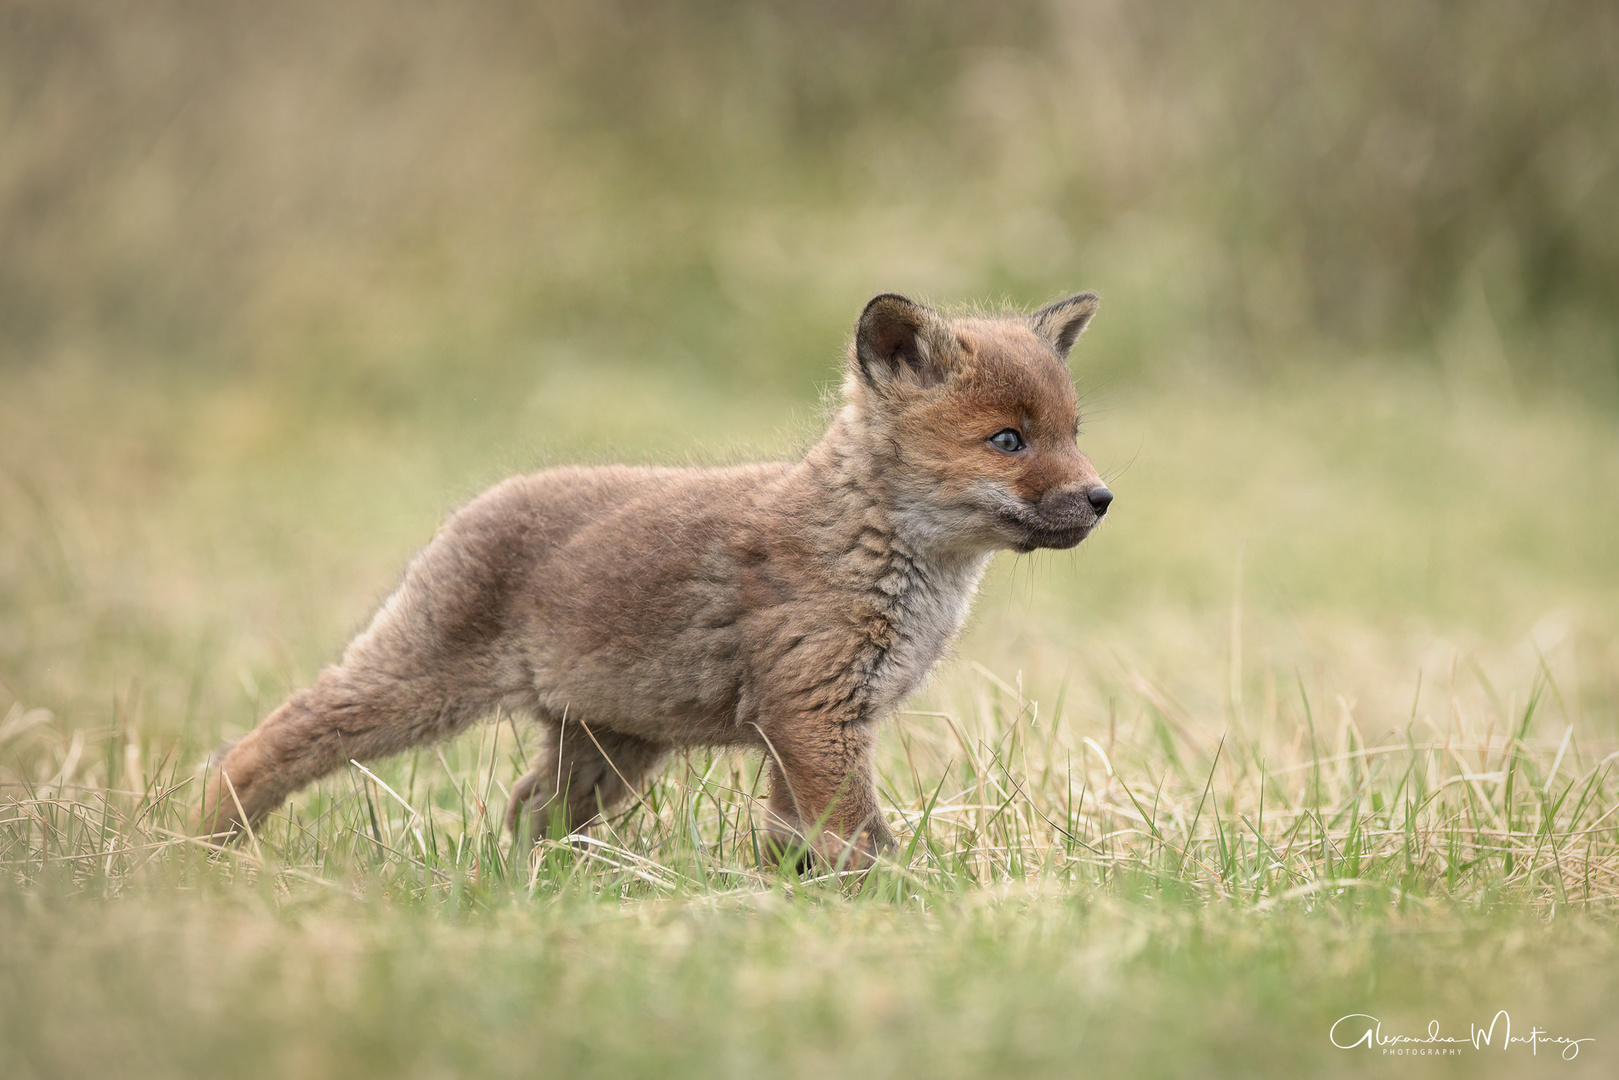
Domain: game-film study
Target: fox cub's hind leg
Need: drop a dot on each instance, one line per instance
(444, 650)
(578, 776)
(352, 711)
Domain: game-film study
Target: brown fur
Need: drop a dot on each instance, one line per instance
(786, 607)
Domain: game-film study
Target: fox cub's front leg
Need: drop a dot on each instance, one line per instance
(823, 791)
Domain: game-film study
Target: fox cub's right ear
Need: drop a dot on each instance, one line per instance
(899, 340)
(1061, 323)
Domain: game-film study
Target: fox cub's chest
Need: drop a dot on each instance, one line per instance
(925, 604)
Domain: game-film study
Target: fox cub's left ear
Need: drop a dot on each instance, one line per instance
(1060, 324)
(899, 341)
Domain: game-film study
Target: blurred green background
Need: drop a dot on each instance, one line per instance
(282, 284)
(372, 202)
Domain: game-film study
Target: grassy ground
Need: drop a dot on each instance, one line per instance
(1323, 722)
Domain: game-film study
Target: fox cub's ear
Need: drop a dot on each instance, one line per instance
(1061, 323)
(900, 340)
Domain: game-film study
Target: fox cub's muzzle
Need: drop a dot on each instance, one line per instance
(1063, 517)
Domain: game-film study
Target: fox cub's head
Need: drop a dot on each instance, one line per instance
(975, 422)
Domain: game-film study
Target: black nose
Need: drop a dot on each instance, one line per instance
(1099, 498)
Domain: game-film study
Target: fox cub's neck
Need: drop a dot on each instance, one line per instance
(911, 587)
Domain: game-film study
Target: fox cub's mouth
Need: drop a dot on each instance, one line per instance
(1057, 521)
(1034, 534)
(1037, 537)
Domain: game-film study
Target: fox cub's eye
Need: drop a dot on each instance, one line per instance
(1008, 440)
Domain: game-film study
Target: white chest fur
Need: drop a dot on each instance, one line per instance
(928, 609)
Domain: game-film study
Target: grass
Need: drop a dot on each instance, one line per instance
(1183, 798)
(1218, 901)
(988, 797)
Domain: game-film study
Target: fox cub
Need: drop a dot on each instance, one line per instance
(787, 607)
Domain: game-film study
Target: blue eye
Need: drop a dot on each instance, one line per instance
(1008, 440)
